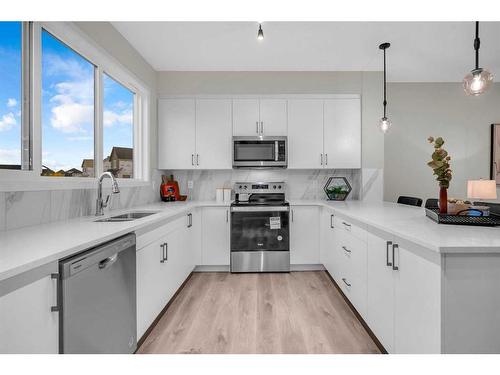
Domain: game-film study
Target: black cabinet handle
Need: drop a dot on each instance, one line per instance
(346, 249)
(166, 251)
(345, 281)
(162, 259)
(331, 221)
(55, 276)
(387, 244)
(394, 247)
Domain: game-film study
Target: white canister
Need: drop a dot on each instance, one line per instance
(219, 195)
(227, 195)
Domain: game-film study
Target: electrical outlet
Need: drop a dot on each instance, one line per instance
(190, 184)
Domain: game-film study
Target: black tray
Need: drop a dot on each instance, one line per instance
(485, 221)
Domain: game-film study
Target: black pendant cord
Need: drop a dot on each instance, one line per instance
(385, 89)
(477, 43)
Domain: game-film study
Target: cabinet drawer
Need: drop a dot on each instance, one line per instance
(144, 238)
(347, 226)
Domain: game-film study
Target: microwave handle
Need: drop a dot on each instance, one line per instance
(276, 151)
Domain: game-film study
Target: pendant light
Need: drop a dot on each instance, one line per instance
(384, 123)
(260, 33)
(479, 79)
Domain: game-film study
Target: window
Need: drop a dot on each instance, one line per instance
(67, 111)
(118, 128)
(10, 94)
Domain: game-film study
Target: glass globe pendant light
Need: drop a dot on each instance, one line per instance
(384, 123)
(479, 79)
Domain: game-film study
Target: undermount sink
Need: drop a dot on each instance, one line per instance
(129, 216)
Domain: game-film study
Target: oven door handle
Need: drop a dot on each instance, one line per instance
(260, 209)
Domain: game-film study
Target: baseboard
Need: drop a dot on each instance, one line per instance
(358, 315)
(307, 267)
(211, 269)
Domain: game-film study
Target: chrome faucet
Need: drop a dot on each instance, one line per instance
(100, 204)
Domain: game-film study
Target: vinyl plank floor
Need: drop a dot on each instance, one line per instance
(268, 313)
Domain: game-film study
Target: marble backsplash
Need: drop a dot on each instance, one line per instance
(301, 184)
(25, 208)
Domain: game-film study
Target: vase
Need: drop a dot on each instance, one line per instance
(443, 200)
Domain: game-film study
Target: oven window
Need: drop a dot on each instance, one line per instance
(259, 231)
(254, 151)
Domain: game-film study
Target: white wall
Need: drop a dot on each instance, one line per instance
(419, 110)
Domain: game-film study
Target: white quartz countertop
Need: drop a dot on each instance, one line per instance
(29, 247)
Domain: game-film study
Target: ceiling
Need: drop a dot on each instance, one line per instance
(420, 51)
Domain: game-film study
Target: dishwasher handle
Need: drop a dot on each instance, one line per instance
(108, 261)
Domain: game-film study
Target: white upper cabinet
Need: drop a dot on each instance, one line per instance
(213, 134)
(305, 133)
(246, 119)
(342, 133)
(176, 133)
(273, 117)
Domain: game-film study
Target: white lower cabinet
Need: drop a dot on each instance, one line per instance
(327, 242)
(27, 324)
(215, 236)
(162, 266)
(304, 235)
(404, 294)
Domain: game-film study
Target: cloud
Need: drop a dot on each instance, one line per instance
(11, 102)
(82, 138)
(111, 118)
(72, 117)
(7, 122)
(10, 156)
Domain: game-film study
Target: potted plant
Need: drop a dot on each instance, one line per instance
(440, 164)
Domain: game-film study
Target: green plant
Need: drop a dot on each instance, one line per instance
(338, 190)
(440, 162)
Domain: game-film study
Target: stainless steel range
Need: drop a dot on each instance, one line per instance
(260, 233)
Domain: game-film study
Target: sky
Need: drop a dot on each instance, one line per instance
(67, 104)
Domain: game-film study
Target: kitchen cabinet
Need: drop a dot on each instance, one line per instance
(273, 117)
(328, 242)
(215, 236)
(324, 133)
(304, 235)
(266, 117)
(176, 133)
(194, 133)
(164, 261)
(380, 284)
(246, 118)
(27, 322)
(403, 308)
(213, 134)
(305, 133)
(342, 133)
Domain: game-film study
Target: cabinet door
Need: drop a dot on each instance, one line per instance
(27, 324)
(342, 133)
(305, 133)
(246, 117)
(215, 236)
(380, 284)
(151, 290)
(327, 241)
(273, 117)
(304, 235)
(213, 134)
(417, 311)
(176, 133)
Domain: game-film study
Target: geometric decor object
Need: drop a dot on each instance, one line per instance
(337, 188)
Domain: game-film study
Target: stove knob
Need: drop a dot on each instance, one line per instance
(274, 186)
(245, 186)
(279, 186)
(241, 186)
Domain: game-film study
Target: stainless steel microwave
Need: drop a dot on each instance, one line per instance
(260, 152)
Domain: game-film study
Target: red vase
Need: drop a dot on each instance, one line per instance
(443, 200)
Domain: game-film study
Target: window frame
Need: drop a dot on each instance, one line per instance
(74, 38)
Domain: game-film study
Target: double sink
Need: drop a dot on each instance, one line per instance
(129, 216)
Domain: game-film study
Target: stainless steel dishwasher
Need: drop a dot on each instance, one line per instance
(98, 299)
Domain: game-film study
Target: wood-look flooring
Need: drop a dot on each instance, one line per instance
(297, 312)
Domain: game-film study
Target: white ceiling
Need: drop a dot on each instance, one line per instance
(420, 51)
